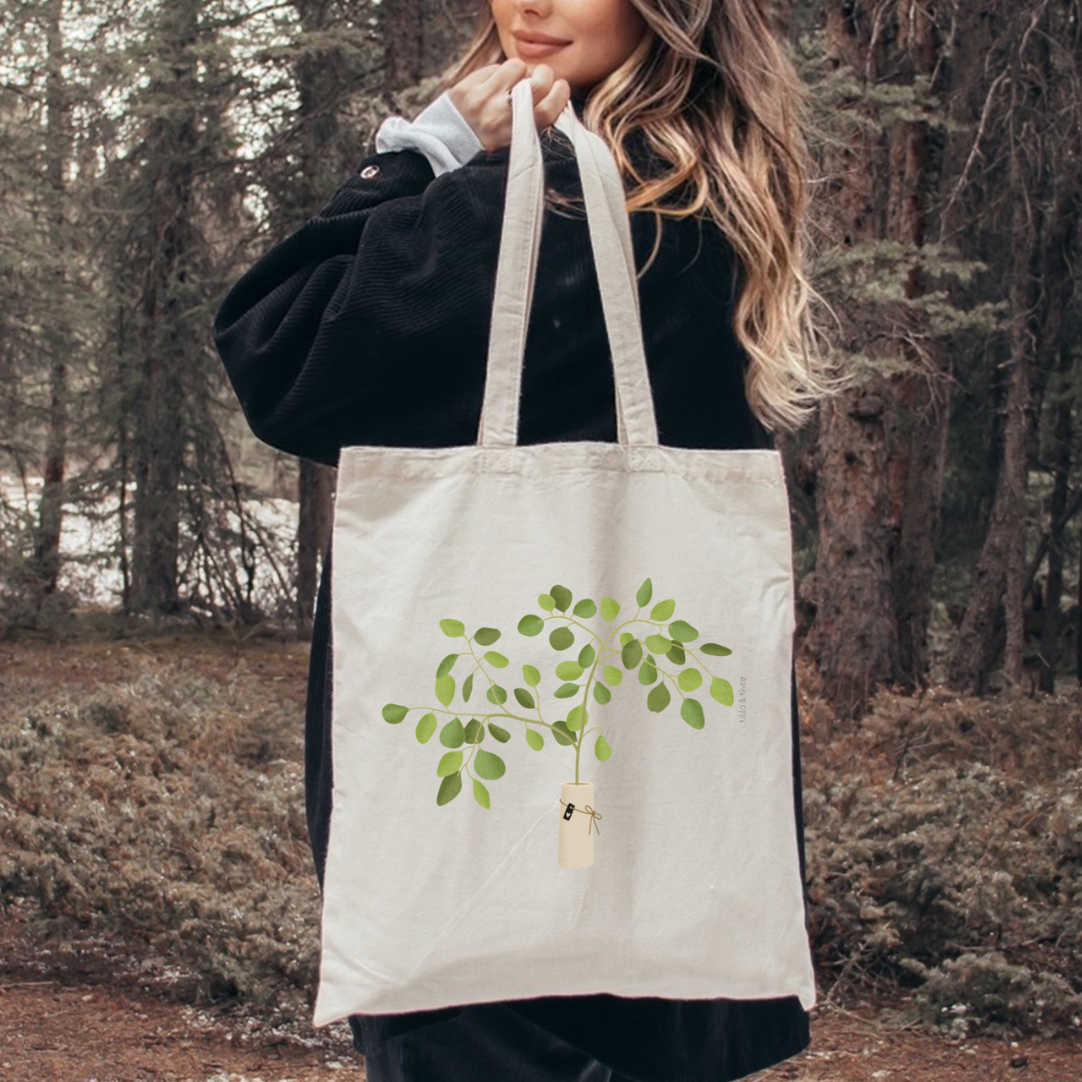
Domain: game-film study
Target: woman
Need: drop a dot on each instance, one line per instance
(369, 324)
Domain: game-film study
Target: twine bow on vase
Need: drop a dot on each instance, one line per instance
(587, 810)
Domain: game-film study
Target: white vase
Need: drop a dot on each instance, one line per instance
(576, 847)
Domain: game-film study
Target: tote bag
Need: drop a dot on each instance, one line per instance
(561, 730)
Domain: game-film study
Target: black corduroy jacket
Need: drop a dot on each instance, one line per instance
(369, 326)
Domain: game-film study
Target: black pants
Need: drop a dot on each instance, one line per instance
(485, 1043)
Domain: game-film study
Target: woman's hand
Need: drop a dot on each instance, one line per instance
(481, 98)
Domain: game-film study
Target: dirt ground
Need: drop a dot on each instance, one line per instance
(65, 1019)
(57, 1032)
(82, 1017)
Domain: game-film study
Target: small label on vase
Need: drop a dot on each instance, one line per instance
(568, 810)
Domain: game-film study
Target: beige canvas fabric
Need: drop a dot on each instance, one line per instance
(561, 675)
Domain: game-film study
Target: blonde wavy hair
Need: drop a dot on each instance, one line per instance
(716, 97)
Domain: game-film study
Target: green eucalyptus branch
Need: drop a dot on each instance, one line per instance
(635, 655)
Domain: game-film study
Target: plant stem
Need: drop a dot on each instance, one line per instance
(586, 687)
(478, 714)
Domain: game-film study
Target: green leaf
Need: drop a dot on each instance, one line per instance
(467, 688)
(601, 693)
(524, 698)
(452, 735)
(577, 718)
(602, 749)
(546, 601)
(531, 624)
(586, 656)
(613, 675)
(585, 608)
(445, 689)
(663, 610)
(453, 628)
(646, 591)
(535, 739)
(480, 794)
(689, 679)
(647, 670)
(631, 654)
(394, 713)
(721, 690)
(449, 763)
(658, 643)
(496, 659)
(475, 731)
(489, 765)
(501, 734)
(486, 636)
(713, 648)
(560, 638)
(692, 713)
(565, 691)
(446, 665)
(676, 654)
(562, 596)
(659, 697)
(531, 675)
(682, 631)
(610, 608)
(425, 728)
(569, 670)
(450, 787)
(625, 638)
(496, 695)
(561, 734)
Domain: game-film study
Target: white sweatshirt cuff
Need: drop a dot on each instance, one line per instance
(439, 132)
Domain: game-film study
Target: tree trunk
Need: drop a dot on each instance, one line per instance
(315, 490)
(999, 578)
(57, 337)
(1078, 613)
(320, 78)
(853, 637)
(922, 398)
(158, 424)
(1056, 298)
(1045, 192)
(1057, 532)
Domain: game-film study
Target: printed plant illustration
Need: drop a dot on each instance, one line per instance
(659, 655)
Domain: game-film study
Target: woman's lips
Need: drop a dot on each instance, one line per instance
(538, 48)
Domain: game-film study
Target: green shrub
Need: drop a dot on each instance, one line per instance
(949, 859)
(167, 814)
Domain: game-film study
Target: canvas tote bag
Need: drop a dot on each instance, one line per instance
(561, 728)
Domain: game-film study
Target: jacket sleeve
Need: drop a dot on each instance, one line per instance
(440, 132)
(369, 323)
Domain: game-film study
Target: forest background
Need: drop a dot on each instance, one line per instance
(158, 564)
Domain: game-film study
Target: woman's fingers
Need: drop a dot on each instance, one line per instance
(482, 98)
(551, 103)
(504, 77)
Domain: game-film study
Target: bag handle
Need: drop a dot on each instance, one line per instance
(516, 273)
